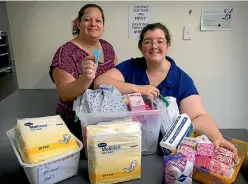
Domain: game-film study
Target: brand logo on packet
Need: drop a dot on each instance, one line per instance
(182, 178)
(100, 145)
(35, 127)
(110, 149)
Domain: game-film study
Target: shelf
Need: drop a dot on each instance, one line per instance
(5, 68)
(4, 54)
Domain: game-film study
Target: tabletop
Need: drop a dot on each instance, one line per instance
(30, 103)
(12, 172)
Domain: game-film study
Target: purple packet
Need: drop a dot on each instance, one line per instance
(177, 169)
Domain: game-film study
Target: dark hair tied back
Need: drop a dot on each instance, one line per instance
(75, 30)
(151, 27)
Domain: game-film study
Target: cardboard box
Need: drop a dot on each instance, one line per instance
(136, 102)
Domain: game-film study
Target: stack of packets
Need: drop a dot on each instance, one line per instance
(114, 151)
(201, 152)
(182, 152)
(177, 168)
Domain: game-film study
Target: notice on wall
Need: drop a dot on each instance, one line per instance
(217, 18)
(139, 17)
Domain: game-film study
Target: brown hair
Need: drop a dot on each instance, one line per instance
(75, 30)
(153, 27)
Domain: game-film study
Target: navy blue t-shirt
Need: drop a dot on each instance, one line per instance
(177, 83)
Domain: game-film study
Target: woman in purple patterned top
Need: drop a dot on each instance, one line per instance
(73, 69)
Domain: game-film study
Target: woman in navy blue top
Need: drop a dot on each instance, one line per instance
(155, 73)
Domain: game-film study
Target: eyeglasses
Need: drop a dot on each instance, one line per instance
(90, 20)
(158, 42)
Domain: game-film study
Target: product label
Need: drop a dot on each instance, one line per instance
(35, 127)
(56, 171)
(110, 149)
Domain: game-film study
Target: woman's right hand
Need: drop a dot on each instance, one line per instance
(148, 90)
(89, 67)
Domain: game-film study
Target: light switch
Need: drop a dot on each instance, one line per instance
(187, 33)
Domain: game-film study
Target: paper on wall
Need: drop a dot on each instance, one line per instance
(216, 18)
(139, 17)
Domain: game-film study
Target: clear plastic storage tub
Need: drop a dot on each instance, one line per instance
(51, 171)
(150, 120)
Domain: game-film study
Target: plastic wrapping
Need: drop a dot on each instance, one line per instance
(114, 152)
(177, 169)
(170, 113)
(39, 139)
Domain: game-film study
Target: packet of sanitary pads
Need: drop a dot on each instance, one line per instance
(177, 169)
(114, 151)
(42, 138)
(181, 127)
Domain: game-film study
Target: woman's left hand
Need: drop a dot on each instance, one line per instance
(221, 142)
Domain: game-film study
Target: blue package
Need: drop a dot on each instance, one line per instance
(97, 54)
(188, 133)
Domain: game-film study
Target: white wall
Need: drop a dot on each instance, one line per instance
(217, 61)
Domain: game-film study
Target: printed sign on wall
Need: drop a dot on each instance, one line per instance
(139, 17)
(216, 18)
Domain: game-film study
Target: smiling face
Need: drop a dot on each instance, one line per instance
(154, 46)
(91, 24)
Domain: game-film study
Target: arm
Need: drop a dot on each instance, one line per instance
(116, 60)
(121, 77)
(68, 87)
(114, 77)
(204, 124)
(191, 104)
